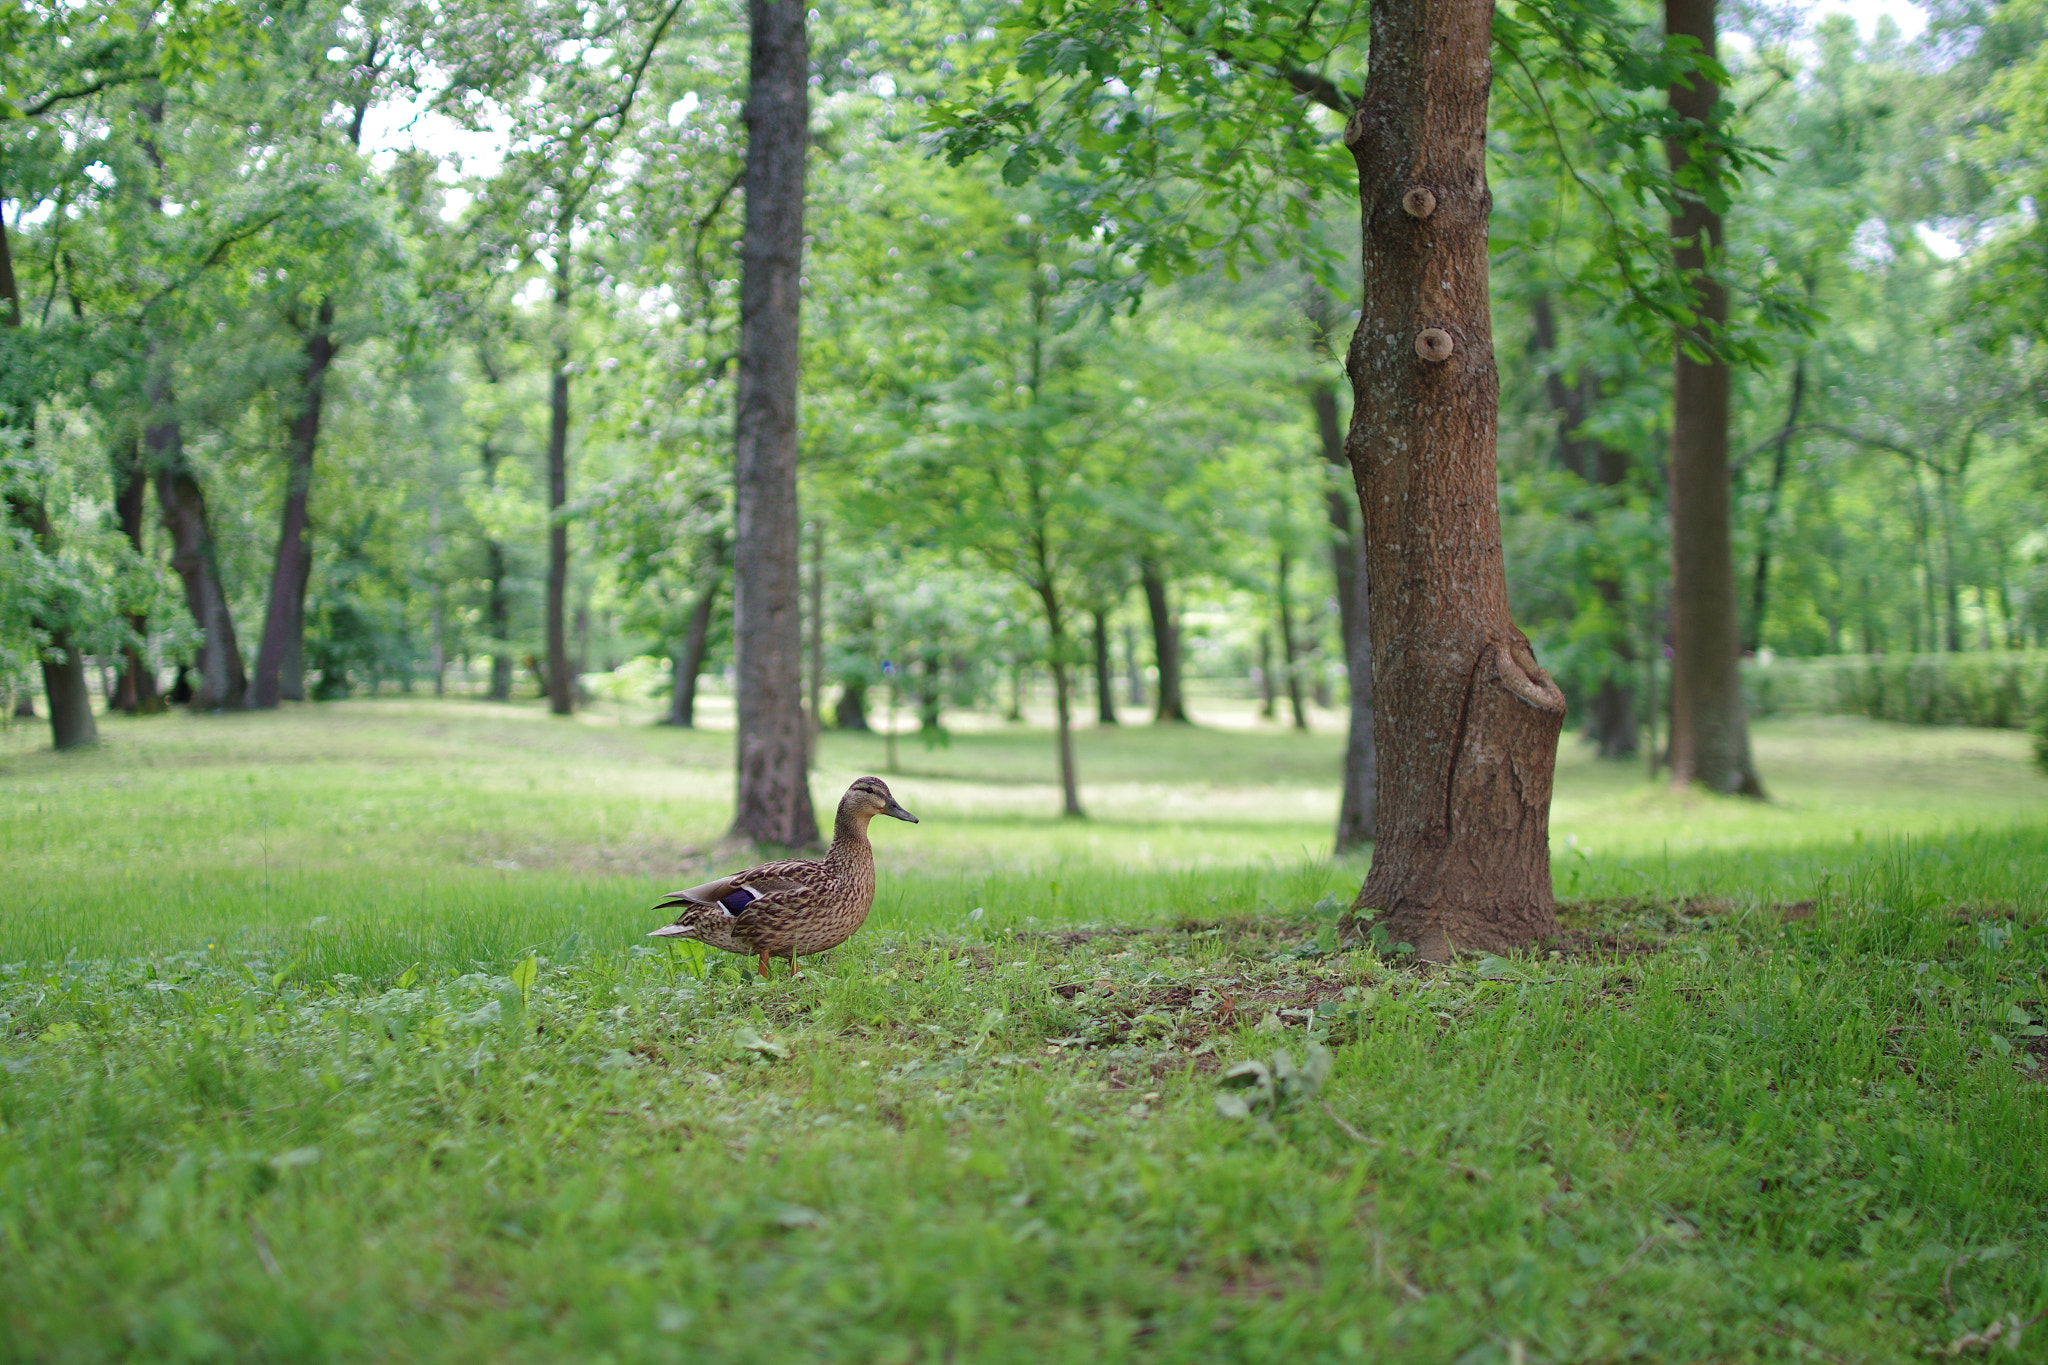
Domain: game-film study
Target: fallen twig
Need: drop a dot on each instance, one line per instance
(1410, 1153)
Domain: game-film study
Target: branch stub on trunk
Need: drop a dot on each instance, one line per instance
(1419, 202)
(1434, 344)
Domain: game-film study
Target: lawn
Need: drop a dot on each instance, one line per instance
(332, 1035)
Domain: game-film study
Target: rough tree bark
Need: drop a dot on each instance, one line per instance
(1359, 811)
(284, 624)
(1105, 673)
(1467, 721)
(1611, 721)
(1165, 644)
(689, 663)
(773, 803)
(561, 681)
(1709, 727)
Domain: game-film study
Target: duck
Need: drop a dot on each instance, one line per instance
(798, 905)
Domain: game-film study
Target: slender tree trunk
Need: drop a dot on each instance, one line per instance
(1269, 696)
(682, 701)
(561, 678)
(1165, 644)
(1611, 721)
(1760, 576)
(773, 797)
(1289, 656)
(138, 695)
(1358, 812)
(1709, 726)
(1467, 721)
(286, 618)
(1105, 673)
(1134, 674)
(815, 717)
(1062, 699)
(852, 711)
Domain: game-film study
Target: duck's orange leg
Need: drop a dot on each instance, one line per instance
(764, 964)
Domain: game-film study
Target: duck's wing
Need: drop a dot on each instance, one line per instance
(735, 893)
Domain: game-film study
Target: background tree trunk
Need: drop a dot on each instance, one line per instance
(561, 676)
(284, 625)
(1105, 673)
(1781, 456)
(1467, 721)
(222, 681)
(1359, 810)
(1709, 726)
(1268, 696)
(814, 711)
(64, 681)
(138, 695)
(773, 803)
(1062, 697)
(1290, 662)
(1611, 722)
(682, 699)
(1165, 644)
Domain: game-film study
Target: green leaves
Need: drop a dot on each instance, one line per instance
(1262, 1089)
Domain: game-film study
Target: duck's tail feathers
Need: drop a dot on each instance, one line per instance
(674, 931)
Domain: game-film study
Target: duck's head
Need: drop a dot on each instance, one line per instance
(869, 796)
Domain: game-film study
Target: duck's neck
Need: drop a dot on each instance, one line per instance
(850, 835)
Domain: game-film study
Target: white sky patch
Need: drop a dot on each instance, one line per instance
(1943, 244)
(1911, 19)
(683, 108)
(395, 126)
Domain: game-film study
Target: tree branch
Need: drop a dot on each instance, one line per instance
(51, 101)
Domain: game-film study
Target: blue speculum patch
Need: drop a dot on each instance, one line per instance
(740, 899)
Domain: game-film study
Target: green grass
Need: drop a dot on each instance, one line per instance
(273, 1086)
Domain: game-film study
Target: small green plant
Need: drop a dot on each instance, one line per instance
(1258, 1088)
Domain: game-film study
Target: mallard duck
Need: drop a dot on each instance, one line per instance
(799, 905)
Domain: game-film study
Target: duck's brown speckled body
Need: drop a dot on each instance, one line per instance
(797, 906)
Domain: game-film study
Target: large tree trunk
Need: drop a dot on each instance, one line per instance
(1359, 810)
(1611, 720)
(1709, 728)
(138, 691)
(222, 681)
(1467, 721)
(284, 624)
(1105, 673)
(561, 676)
(682, 699)
(773, 799)
(1165, 644)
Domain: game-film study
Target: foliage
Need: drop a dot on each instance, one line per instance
(2005, 690)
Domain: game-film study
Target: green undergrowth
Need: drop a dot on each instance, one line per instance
(335, 1036)
(1684, 1130)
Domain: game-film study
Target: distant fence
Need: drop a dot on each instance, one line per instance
(2001, 689)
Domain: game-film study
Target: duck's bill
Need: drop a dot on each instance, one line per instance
(900, 813)
(672, 931)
